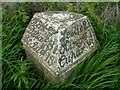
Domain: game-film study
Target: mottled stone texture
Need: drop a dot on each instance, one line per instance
(57, 42)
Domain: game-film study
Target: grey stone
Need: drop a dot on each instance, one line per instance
(57, 42)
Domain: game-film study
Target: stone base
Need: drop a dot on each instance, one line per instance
(44, 73)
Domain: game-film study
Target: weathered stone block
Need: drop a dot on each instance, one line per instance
(57, 42)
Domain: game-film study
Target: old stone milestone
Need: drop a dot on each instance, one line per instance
(57, 42)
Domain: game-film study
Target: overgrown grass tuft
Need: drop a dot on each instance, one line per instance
(99, 70)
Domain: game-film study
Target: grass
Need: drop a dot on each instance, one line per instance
(99, 70)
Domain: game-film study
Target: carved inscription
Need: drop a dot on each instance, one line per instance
(63, 46)
(75, 42)
(40, 40)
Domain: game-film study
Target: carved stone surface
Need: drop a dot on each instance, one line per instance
(57, 41)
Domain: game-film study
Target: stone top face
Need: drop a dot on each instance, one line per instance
(59, 39)
(56, 19)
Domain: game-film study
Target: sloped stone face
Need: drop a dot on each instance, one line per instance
(58, 41)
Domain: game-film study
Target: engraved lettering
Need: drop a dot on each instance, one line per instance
(61, 50)
(47, 54)
(55, 49)
(50, 61)
(62, 60)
